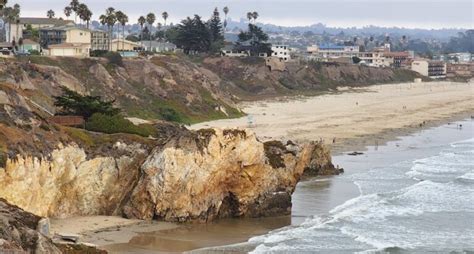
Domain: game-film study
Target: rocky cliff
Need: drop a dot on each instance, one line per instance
(178, 175)
(180, 88)
(196, 176)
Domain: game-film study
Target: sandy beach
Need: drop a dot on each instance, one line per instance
(354, 118)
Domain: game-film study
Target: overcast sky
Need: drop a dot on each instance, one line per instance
(339, 13)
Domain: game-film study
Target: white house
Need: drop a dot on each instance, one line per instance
(156, 46)
(282, 52)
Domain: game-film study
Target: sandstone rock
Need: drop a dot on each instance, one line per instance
(68, 183)
(18, 232)
(219, 173)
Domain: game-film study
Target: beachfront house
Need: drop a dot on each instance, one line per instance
(125, 45)
(157, 46)
(66, 41)
(18, 29)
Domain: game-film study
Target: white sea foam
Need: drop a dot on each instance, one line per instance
(394, 211)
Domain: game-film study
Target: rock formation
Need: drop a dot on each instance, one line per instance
(18, 232)
(194, 176)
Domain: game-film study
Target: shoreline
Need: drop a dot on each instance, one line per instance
(114, 233)
(169, 236)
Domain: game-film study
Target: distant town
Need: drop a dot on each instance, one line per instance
(75, 34)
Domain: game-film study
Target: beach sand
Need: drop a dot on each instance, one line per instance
(355, 118)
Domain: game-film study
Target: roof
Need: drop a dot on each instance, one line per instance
(68, 45)
(45, 21)
(65, 28)
(30, 42)
(331, 47)
(158, 44)
(397, 54)
(126, 41)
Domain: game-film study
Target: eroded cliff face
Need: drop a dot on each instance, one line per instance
(194, 176)
(67, 183)
(223, 173)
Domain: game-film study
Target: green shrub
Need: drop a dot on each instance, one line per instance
(99, 53)
(34, 52)
(114, 58)
(117, 124)
(170, 114)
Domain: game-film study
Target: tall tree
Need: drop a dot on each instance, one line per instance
(165, 16)
(11, 15)
(74, 7)
(257, 39)
(67, 11)
(50, 14)
(215, 30)
(226, 11)
(150, 19)
(255, 16)
(122, 18)
(192, 35)
(249, 16)
(141, 22)
(109, 19)
(85, 13)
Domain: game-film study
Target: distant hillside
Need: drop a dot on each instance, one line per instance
(415, 33)
(180, 88)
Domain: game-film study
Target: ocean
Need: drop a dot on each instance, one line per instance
(413, 195)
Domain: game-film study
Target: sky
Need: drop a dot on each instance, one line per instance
(335, 13)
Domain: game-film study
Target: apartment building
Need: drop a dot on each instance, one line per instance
(99, 40)
(429, 68)
(399, 59)
(282, 52)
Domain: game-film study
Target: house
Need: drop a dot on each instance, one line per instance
(99, 40)
(125, 45)
(16, 30)
(429, 68)
(64, 34)
(70, 49)
(156, 46)
(235, 51)
(30, 45)
(282, 52)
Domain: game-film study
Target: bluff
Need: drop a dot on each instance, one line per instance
(181, 88)
(179, 175)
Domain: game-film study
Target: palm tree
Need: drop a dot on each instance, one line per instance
(109, 19)
(67, 11)
(226, 11)
(50, 14)
(81, 11)
(85, 14)
(16, 16)
(165, 16)
(74, 7)
(150, 19)
(249, 16)
(122, 18)
(255, 16)
(141, 21)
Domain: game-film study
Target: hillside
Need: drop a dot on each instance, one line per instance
(180, 88)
